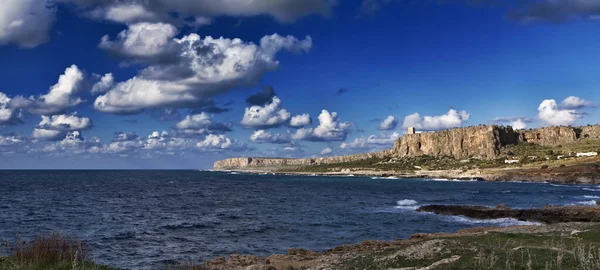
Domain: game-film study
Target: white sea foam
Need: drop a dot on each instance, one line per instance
(592, 202)
(591, 197)
(406, 202)
(385, 178)
(557, 185)
(497, 222)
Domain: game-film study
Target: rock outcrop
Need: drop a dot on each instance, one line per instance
(550, 136)
(482, 142)
(548, 214)
(590, 132)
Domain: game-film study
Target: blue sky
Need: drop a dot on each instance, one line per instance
(177, 99)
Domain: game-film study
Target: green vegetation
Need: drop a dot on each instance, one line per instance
(405, 165)
(524, 150)
(493, 250)
(53, 252)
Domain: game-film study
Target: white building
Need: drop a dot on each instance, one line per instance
(511, 161)
(588, 154)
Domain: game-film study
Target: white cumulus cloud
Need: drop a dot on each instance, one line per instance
(200, 124)
(299, 121)
(214, 142)
(389, 123)
(262, 136)
(371, 143)
(269, 116)
(144, 42)
(329, 129)
(574, 102)
(551, 114)
(25, 23)
(519, 124)
(104, 84)
(192, 69)
(451, 119)
(58, 126)
(327, 151)
(8, 115)
(61, 96)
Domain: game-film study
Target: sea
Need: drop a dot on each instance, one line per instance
(151, 219)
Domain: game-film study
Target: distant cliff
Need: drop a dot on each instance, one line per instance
(249, 163)
(482, 142)
(485, 142)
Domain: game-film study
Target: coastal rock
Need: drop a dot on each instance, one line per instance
(549, 214)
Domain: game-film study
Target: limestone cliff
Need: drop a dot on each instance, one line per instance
(249, 163)
(550, 136)
(482, 142)
(590, 132)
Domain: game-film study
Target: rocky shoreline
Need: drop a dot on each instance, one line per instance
(566, 228)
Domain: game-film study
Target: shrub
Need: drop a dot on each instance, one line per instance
(47, 252)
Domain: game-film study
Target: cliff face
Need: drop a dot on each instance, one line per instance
(590, 132)
(550, 136)
(249, 163)
(482, 142)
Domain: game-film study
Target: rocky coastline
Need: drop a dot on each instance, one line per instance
(565, 229)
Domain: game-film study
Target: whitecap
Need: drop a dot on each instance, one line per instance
(557, 185)
(591, 197)
(407, 207)
(497, 222)
(406, 202)
(592, 202)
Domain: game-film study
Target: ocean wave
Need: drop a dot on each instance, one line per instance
(406, 202)
(591, 197)
(591, 189)
(592, 202)
(557, 185)
(506, 191)
(450, 180)
(385, 178)
(497, 222)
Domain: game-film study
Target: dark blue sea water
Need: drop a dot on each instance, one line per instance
(146, 219)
